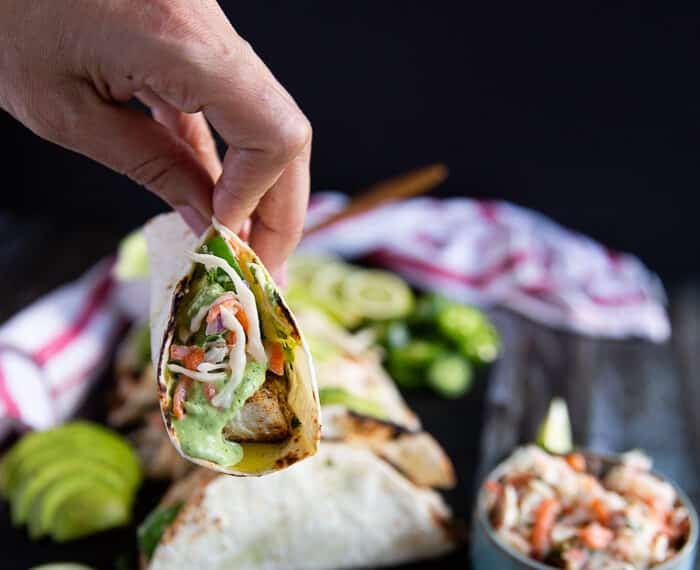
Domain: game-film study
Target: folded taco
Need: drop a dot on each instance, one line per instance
(361, 404)
(236, 383)
(344, 508)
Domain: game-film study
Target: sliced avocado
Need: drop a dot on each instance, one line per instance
(72, 433)
(330, 395)
(126, 468)
(47, 508)
(77, 438)
(23, 448)
(30, 490)
(88, 510)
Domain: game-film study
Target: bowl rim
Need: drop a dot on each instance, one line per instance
(481, 517)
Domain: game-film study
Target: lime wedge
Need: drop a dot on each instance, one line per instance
(132, 257)
(377, 295)
(326, 290)
(554, 434)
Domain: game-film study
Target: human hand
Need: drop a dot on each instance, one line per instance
(66, 68)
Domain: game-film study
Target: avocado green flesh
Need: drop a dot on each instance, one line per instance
(31, 489)
(48, 510)
(88, 511)
(362, 406)
(40, 448)
(199, 431)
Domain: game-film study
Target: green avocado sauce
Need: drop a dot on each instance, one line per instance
(200, 429)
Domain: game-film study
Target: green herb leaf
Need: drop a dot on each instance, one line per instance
(151, 530)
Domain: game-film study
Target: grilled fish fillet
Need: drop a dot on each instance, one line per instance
(265, 417)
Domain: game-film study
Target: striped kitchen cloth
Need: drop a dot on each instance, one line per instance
(52, 351)
(495, 253)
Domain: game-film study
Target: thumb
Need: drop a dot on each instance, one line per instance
(149, 153)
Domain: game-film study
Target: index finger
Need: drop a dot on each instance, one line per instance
(265, 131)
(278, 221)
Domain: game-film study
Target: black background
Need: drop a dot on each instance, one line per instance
(589, 114)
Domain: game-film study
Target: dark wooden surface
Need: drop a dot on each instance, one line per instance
(622, 395)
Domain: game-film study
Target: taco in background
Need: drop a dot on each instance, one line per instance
(236, 382)
(344, 508)
(361, 404)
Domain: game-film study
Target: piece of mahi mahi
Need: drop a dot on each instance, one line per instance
(265, 417)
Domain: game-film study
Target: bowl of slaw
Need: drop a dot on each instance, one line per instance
(582, 511)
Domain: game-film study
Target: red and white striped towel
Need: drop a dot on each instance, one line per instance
(481, 252)
(52, 351)
(495, 253)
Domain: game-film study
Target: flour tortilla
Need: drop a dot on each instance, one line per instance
(169, 240)
(343, 508)
(398, 436)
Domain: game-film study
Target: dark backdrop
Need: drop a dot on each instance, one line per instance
(590, 115)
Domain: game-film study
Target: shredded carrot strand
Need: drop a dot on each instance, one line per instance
(194, 358)
(275, 354)
(544, 521)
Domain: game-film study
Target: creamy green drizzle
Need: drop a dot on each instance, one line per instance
(200, 429)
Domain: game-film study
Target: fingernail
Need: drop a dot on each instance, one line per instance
(193, 218)
(280, 276)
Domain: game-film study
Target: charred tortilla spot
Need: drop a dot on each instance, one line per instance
(290, 459)
(375, 428)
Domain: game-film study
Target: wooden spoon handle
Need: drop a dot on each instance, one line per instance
(411, 183)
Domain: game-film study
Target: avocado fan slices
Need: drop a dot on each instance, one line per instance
(70, 481)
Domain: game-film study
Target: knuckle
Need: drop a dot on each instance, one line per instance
(293, 135)
(165, 19)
